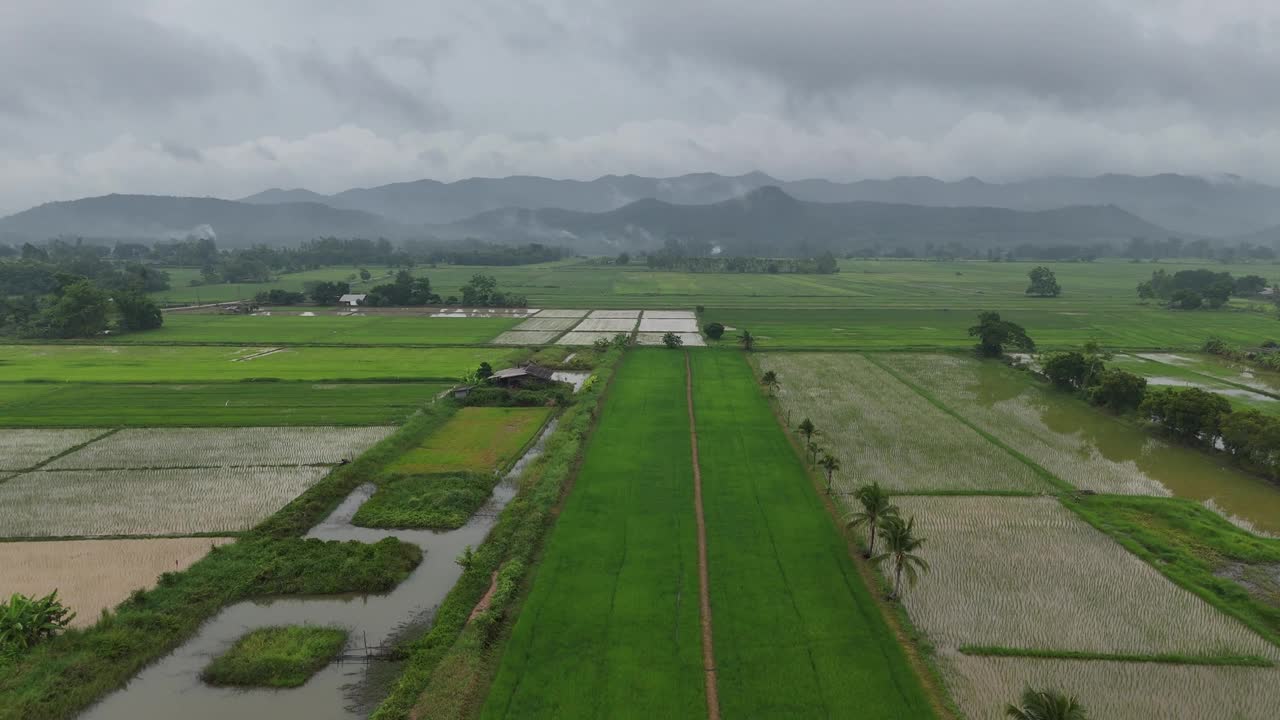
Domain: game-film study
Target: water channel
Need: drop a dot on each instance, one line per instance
(171, 688)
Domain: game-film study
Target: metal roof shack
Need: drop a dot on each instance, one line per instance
(351, 299)
(517, 375)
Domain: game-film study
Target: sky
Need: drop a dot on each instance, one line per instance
(228, 97)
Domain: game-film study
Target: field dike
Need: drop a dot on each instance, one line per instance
(704, 590)
(172, 687)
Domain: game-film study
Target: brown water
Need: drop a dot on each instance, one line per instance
(1012, 406)
(171, 688)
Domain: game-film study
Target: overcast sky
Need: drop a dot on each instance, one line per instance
(228, 97)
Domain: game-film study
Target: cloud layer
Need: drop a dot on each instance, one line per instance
(192, 98)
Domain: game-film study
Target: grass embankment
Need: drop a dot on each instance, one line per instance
(1159, 659)
(1233, 570)
(438, 501)
(797, 632)
(53, 405)
(60, 678)
(449, 668)
(610, 627)
(276, 657)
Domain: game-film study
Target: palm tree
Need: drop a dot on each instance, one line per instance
(747, 340)
(875, 507)
(770, 380)
(1046, 705)
(900, 542)
(831, 464)
(813, 449)
(807, 429)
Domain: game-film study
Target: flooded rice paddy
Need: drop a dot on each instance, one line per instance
(1083, 445)
(342, 691)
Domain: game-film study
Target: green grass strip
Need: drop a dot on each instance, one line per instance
(1163, 659)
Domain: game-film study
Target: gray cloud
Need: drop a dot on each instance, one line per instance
(187, 96)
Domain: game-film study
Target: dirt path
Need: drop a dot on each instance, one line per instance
(704, 591)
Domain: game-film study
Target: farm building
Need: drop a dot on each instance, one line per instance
(521, 376)
(352, 299)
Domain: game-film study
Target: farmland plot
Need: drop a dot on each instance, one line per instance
(605, 325)
(691, 339)
(1012, 410)
(482, 439)
(222, 447)
(661, 325)
(147, 502)
(1027, 573)
(883, 431)
(610, 627)
(526, 337)
(614, 314)
(1115, 690)
(797, 633)
(22, 449)
(546, 323)
(93, 575)
(586, 338)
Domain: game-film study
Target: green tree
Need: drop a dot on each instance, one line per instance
(79, 311)
(993, 334)
(875, 508)
(770, 381)
(747, 340)
(485, 371)
(1192, 414)
(813, 449)
(714, 330)
(624, 258)
(1118, 390)
(1046, 705)
(326, 293)
(1185, 300)
(365, 274)
(900, 545)
(829, 464)
(827, 264)
(1043, 282)
(672, 340)
(1250, 285)
(137, 311)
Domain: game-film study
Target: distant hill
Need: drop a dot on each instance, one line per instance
(151, 217)
(1185, 204)
(768, 221)
(275, 196)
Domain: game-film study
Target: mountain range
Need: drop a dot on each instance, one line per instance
(745, 214)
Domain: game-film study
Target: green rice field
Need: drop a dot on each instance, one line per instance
(610, 627)
(797, 633)
(195, 363)
(482, 439)
(328, 329)
(35, 405)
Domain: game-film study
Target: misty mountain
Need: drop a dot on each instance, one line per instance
(277, 195)
(1184, 204)
(768, 221)
(152, 217)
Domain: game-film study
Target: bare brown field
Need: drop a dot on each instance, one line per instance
(92, 575)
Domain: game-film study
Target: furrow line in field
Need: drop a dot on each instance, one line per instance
(704, 591)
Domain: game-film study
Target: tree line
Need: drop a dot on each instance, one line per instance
(1193, 289)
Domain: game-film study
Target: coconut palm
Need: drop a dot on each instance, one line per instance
(830, 464)
(747, 340)
(875, 507)
(900, 543)
(807, 428)
(813, 449)
(1046, 705)
(770, 380)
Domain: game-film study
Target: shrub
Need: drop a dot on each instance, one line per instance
(672, 341)
(714, 330)
(26, 621)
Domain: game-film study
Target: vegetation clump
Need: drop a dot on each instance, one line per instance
(994, 334)
(27, 621)
(1043, 283)
(276, 657)
(437, 502)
